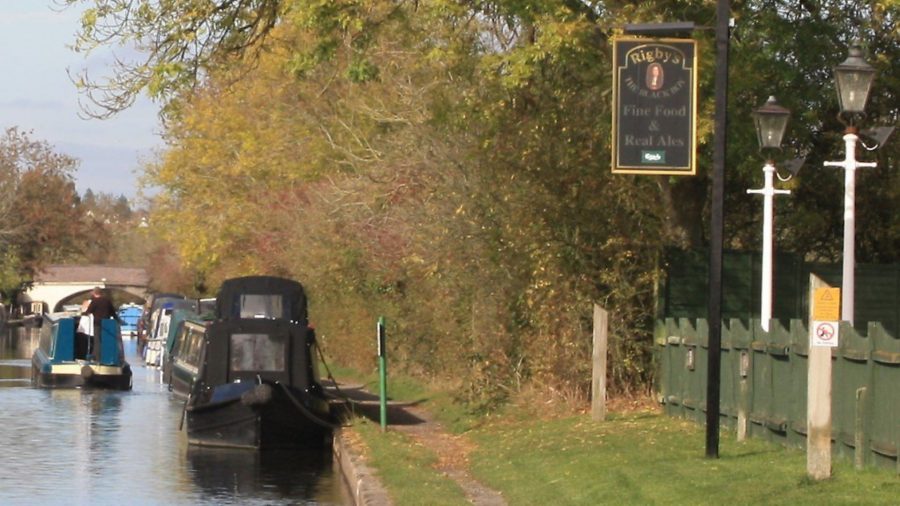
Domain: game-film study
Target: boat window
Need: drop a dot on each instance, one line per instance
(261, 306)
(181, 341)
(256, 352)
(46, 338)
(194, 346)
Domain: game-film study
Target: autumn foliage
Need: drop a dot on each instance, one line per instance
(446, 165)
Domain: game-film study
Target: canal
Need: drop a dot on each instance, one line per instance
(104, 447)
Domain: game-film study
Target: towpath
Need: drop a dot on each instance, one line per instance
(452, 450)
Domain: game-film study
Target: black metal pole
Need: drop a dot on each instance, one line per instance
(714, 304)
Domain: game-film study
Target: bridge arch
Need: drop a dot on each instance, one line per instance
(60, 285)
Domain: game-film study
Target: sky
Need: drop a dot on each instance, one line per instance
(38, 97)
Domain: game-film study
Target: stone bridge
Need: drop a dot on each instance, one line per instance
(60, 285)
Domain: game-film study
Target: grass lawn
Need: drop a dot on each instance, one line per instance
(636, 458)
(650, 458)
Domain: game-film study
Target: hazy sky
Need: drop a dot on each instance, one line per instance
(37, 96)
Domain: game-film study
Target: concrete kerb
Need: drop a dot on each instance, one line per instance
(362, 485)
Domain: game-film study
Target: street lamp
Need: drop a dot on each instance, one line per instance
(853, 79)
(771, 121)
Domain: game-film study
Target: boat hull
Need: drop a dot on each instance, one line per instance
(265, 416)
(81, 375)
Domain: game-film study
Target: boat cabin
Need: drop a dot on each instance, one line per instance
(262, 297)
(250, 350)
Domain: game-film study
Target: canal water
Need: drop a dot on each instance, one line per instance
(73, 447)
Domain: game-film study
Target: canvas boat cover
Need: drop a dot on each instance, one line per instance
(267, 297)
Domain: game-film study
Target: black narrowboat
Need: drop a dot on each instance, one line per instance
(256, 382)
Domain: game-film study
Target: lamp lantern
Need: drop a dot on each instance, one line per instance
(771, 121)
(853, 78)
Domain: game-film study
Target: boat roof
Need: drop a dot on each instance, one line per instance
(179, 316)
(257, 296)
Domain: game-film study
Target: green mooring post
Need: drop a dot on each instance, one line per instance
(382, 372)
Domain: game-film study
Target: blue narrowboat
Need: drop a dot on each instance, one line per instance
(68, 357)
(129, 315)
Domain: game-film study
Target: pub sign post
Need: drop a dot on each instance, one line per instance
(654, 106)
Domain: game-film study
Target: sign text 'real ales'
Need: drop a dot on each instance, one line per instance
(654, 109)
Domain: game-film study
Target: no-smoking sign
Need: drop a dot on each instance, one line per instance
(824, 333)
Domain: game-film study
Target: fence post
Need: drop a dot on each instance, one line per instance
(743, 397)
(598, 379)
(818, 407)
(859, 438)
(382, 373)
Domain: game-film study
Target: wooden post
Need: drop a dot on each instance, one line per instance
(859, 438)
(598, 379)
(743, 405)
(818, 405)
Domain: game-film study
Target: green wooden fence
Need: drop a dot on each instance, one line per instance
(764, 377)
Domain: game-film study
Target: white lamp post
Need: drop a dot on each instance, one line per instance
(771, 121)
(853, 79)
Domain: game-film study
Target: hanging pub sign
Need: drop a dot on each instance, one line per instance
(654, 106)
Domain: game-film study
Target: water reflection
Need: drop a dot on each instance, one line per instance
(246, 477)
(68, 447)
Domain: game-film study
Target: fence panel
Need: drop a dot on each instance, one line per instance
(799, 381)
(765, 373)
(852, 376)
(761, 377)
(671, 363)
(884, 427)
(694, 397)
(778, 348)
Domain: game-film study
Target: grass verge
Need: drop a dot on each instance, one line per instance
(635, 458)
(405, 469)
(649, 458)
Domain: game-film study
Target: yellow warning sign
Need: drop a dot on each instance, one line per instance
(827, 304)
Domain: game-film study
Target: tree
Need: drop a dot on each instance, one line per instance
(42, 221)
(446, 164)
(180, 41)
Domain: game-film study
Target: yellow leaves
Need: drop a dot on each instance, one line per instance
(88, 20)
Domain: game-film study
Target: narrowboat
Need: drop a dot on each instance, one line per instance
(161, 323)
(181, 355)
(257, 383)
(66, 358)
(129, 315)
(146, 324)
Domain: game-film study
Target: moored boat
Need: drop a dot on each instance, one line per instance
(256, 383)
(129, 315)
(161, 323)
(182, 352)
(65, 358)
(256, 388)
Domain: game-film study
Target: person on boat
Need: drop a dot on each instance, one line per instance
(101, 307)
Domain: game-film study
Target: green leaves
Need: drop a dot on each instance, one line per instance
(447, 164)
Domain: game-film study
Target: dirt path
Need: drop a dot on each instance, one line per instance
(452, 450)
